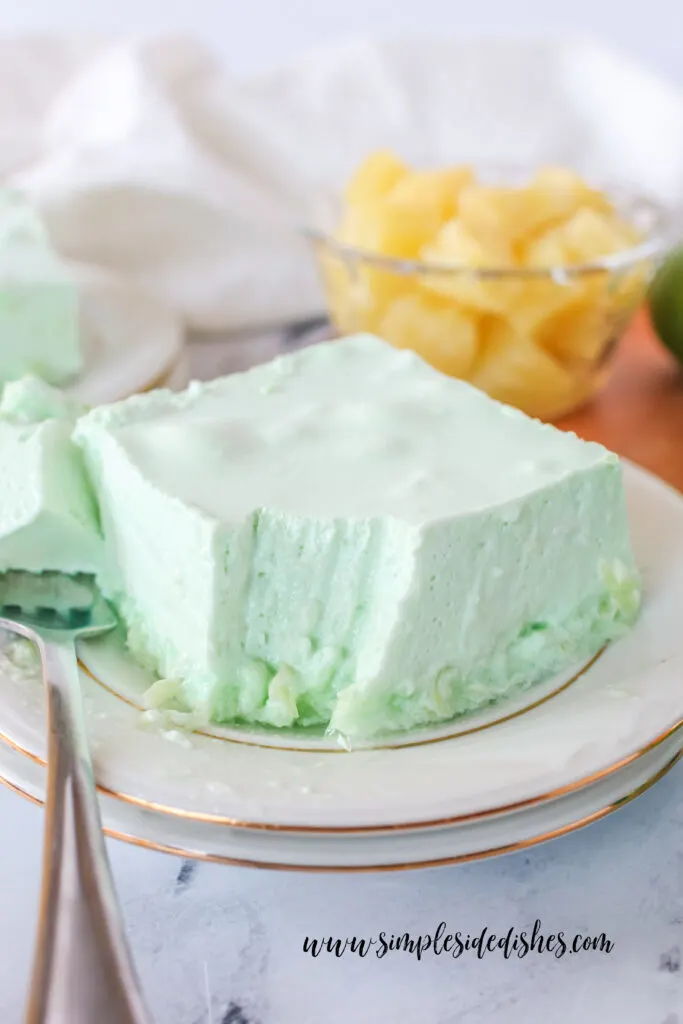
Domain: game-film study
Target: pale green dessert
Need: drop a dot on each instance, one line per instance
(39, 321)
(48, 513)
(347, 537)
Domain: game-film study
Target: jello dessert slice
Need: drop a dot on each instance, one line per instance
(39, 316)
(48, 512)
(347, 538)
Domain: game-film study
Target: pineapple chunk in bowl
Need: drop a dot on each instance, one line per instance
(520, 282)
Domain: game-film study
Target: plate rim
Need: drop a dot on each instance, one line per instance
(341, 830)
(208, 817)
(575, 825)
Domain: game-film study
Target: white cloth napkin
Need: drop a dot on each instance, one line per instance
(148, 158)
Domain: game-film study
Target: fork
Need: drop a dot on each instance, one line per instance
(83, 971)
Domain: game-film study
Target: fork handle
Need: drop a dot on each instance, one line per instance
(82, 972)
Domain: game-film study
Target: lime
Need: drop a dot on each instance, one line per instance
(666, 303)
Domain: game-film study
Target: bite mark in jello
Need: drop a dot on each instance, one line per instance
(347, 538)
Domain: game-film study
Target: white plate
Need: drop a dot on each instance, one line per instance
(487, 837)
(533, 749)
(131, 343)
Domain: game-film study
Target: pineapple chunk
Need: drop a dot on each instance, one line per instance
(386, 285)
(355, 228)
(352, 302)
(536, 342)
(455, 244)
(377, 230)
(390, 228)
(407, 217)
(627, 289)
(375, 178)
(442, 335)
(583, 330)
(436, 194)
(499, 216)
(569, 191)
(549, 250)
(512, 369)
(586, 236)
(592, 234)
(518, 214)
(543, 298)
(374, 230)
(580, 335)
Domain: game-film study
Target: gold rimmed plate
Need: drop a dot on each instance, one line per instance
(551, 742)
(102, 662)
(477, 840)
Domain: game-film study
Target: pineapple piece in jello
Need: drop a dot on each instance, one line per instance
(441, 334)
(514, 370)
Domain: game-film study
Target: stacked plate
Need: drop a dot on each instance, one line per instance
(556, 758)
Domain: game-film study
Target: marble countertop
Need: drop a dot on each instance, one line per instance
(223, 945)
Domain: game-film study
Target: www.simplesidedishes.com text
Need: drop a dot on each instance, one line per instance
(442, 942)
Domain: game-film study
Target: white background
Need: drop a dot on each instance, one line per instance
(252, 34)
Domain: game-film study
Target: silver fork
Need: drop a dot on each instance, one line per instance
(82, 971)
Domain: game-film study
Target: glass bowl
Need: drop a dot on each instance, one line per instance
(539, 338)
